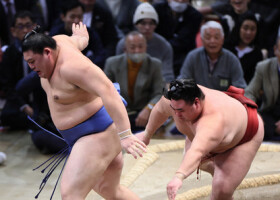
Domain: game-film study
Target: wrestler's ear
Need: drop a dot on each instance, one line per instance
(47, 51)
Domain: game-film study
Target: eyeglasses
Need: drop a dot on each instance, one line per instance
(22, 26)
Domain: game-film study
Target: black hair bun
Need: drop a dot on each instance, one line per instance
(37, 29)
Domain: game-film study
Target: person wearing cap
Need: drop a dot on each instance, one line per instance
(179, 24)
(145, 20)
(140, 79)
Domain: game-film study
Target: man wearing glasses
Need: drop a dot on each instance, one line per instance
(13, 69)
(223, 133)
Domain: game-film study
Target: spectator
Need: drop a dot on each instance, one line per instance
(211, 65)
(8, 9)
(49, 12)
(140, 79)
(265, 86)
(72, 12)
(44, 142)
(13, 69)
(245, 46)
(145, 20)
(122, 12)
(178, 23)
(95, 16)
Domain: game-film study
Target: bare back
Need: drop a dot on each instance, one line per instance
(69, 104)
(221, 111)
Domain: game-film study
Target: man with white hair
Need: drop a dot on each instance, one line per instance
(211, 65)
(145, 20)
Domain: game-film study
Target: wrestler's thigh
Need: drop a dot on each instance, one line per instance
(110, 180)
(89, 158)
(232, 166)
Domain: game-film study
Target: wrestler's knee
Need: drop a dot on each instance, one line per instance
(222, 189)
(109, 185)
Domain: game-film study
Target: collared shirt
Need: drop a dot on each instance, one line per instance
(211, 63)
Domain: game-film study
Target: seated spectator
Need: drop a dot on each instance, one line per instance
(211, 65)
(122, 12)
(267, 10)
(39, 111)
(8, 9)
(265, 86)
(14, 68)
(231, 19)
(95, 16)
(140, 79)
(145, 20)
(245, 46)
(72, 12)
(178, 23)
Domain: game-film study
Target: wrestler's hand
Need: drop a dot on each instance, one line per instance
(173, 186)
(80, 30)
(143, 137)
(133, 146)
(143, 117)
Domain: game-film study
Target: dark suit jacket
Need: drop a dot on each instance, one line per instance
(180, 31)
(20, 5)
(11, 70)
(94, 51)
(102, 22)
(124, 20)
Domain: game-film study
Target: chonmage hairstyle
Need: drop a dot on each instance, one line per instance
(185, 89)
(36, 41)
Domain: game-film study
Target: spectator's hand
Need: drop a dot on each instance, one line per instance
(28, 110)
(277, 129)
(143, 137)
(143, 117)
(173, 186)
(133, 146)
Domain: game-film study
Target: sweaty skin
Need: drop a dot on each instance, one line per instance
(213, 125)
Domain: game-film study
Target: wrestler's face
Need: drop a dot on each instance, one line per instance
(72, 16)
(39, 63)
(184, 111)
(212, 40)
(239, 6)
(248, 31)
(146, 27)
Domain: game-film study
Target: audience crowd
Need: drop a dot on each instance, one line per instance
(143, 45)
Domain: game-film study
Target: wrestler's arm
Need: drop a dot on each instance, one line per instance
(208, 137)
(158, 116)
(79, 36)
(93, 80)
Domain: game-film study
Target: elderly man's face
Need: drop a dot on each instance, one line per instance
(213, 40)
